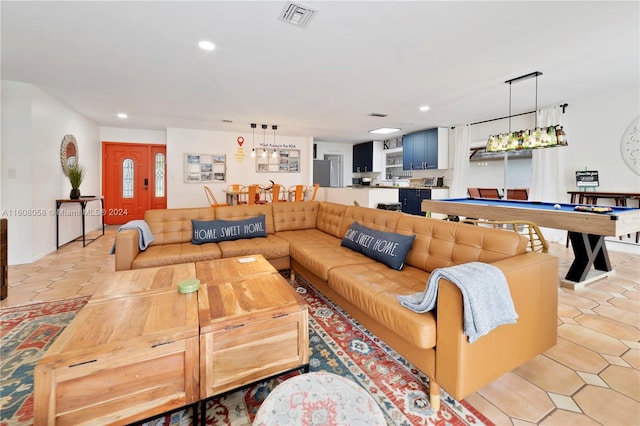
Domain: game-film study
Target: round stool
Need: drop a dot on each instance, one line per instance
(319, 399)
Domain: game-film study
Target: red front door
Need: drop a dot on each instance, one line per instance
(133, 180)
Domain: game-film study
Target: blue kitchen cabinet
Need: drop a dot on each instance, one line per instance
(411, 199)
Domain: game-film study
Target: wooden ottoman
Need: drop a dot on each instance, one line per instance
(253, 325)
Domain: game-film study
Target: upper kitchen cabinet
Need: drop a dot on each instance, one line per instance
(367, 157)
(427, 149)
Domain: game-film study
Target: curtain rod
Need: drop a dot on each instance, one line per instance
(563, 106)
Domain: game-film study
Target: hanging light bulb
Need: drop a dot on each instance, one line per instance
(253, 140)
(275, 151)
(264, 140)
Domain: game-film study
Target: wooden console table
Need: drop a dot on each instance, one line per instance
(592, 197)
(83, 204)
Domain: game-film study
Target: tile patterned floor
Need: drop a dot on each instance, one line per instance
(591, 377)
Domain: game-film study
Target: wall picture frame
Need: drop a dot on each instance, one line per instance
(278, 160)
(205, 168)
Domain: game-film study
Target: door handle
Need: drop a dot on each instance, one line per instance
(146, 183)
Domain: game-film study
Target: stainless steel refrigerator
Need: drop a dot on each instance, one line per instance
(323, 173)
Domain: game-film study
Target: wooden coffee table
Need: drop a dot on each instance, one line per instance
(140, 348)
(253, 324)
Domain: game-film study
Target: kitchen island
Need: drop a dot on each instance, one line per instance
(366, 196)
(371, 196)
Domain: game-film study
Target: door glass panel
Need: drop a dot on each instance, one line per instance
(127, 178)
(159, 166)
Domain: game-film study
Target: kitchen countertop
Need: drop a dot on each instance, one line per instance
(394, 187)
(410, 187)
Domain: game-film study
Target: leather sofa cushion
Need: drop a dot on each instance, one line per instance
(376, 294)
(439, 243)
(247, 212)
(295, 216)
(170, 254)
(171, 226)
(380, 220)
(320, 252)
(270, 247)
(330, 219)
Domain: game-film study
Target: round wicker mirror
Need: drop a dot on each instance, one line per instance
(68, 153)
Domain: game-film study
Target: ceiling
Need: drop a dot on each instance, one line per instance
(353, 59)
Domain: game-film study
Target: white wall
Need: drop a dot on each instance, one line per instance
(33, 125)
(594, 129)
(241, 167)
(117, 134)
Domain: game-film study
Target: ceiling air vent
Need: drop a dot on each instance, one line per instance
(377, 114)
(297, 14)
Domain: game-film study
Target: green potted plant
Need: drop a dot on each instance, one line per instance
(76, 174)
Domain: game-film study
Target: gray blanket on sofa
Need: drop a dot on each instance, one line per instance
(485, 294)
(145, 237)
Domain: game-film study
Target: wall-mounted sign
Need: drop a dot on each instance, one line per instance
(587, 178)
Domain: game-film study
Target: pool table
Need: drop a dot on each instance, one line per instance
(586, 229)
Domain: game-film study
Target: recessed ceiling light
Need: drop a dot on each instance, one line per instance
(122, 115)
(206, 45)
(384, 130)
(424, 108)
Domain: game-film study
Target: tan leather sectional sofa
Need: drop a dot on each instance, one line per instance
(306, 237)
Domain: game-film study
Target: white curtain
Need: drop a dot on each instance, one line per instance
(461, 143)
(548, 172)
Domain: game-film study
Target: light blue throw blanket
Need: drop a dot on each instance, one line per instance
(145, 237)
(485, 295)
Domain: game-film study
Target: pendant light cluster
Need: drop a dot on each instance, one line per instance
(539, 137)
(263, 154)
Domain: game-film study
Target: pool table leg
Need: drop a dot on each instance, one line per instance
(589, 250)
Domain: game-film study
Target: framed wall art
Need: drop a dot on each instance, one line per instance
(278, 160)
(199, 168)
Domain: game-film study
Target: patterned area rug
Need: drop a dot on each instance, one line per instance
(26, 332)
(338, 345)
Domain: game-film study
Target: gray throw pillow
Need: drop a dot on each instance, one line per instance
(213, 231)
(386, 247)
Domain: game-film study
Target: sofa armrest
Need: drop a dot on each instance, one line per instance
(461, 367)
(127, 248)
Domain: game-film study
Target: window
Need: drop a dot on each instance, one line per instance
(127, 178)
(159, 166)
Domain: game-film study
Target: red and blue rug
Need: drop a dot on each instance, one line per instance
(338, 344)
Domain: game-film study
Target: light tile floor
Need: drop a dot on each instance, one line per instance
(592, 376)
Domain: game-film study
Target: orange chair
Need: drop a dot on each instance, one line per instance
(473, 192)
(251, 193)
(315, 191)
(489, 193)
(211, 198)
(278, 193)
(260, 196)
(243, 195)
(297, 192)
(518, 194)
